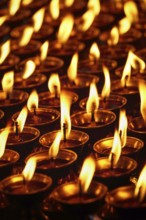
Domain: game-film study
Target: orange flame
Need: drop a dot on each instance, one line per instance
(106, 88)
(124, 25)
(44, 50)
(93, 100)
(21, 119)
(88, 18)
(87, 173)
(136, 62)
(14, 6)
(28, 69)
(116, 149)
(29, 169)
(54, 149)
(123, 123)
(54, 84)
(140, 189)
(72, 70)
(33, 100)
(142, 90)
(69, 3)
(26, 2)
(3, 139)
(3, 19)
(65, 101)
(26, 36)
(65, 28)
(131, 11)
(114, 36)
(5, 50)
(8, 81)
(38, 18)
(54, 9)
(126, 75)
(94, 52)
(94, 5)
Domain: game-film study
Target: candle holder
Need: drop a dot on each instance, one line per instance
(81, 84)
(33, 7)
(24, 142)
(7, 162)
(103, 123)
(104, 21)
(73, 201)
(113, 103)
(14, 103)
(76, 141)
(113, 8)
(44, 120)
(117, 176)
(35, 81)
(132, 148)
(57, 168)
(125, 203)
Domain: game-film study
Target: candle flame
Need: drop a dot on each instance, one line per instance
(123, 123)
(87, 18)
(94, 5)
(29, 169)
(8, 81)
(33, 101)
(54, 9)
(87, 173)
(4, 51)
(54, 149)
(116, 149)
(131, 11)
(72, 70)
(3, 139)
(136, 62)
(142, 90)
(3, 19)
(114, 36)
(124, 25)
(14, 6)
(107, 85)
(68, 3)
(26, 2)
(140, 189)
(94, 52)
(38, 18)
(28, 69)
(21, 119)
(26, 36)
(65, 101)
(126, 75)
(65, 28)
(93, 100)
(44, 50)
(54, 84)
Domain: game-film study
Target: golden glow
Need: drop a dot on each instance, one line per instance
(65, 101)
(65, 28)
(116, 149)
(87, 173)
(94, 52)
(54, 84)
(38, 18)
(33, 101)
(131, 11)
(54, 149)
(3, 139)
(28, 69)
(69, 3)
(124, 25)
(29, 169)
(114, 36)
(87, 18)
(3, 19)
(136, 62)
(107, 84)
(123, 123)
(14, 6)
(142, 90)
(4, 51)
(93, 100)
(54, 9)
(140, 189)
(21, 119)
(44, 50)
(26, 2)
(26, 36)
(8, 81)
(126, 75)
(94, 5)
(72, 70)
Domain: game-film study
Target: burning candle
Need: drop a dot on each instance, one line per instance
(81, 195)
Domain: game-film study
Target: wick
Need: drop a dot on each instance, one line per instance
(92, 113)
(55, 88)
(16, 127)
(34, 110)
(126, 79)
(7, 95)
(112, 161)
(64, 132)
(25, 183)
(80, 190)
